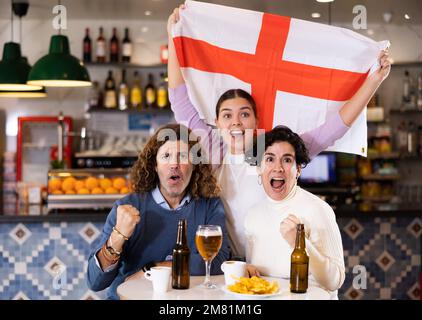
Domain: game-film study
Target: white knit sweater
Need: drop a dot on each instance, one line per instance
(270, 252)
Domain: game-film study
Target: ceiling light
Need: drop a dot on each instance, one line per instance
(325, 0)
(14, 69)
(23, 94)
(406, 16)
(315, 15)
(59, 68)
(148, 13)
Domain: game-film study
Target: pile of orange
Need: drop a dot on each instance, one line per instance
(90, 185)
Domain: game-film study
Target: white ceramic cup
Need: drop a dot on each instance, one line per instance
(160, 277)
(233, 270)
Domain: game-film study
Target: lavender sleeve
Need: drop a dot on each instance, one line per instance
(324, 136)
(185, 113)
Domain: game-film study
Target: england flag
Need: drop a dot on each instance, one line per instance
(298, 72)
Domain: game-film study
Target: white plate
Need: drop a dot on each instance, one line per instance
(250, 296)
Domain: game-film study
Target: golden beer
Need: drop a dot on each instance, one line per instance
(208, 244)
(208, 240)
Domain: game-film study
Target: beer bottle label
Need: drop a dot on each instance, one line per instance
(113, 47)
(150, 96)
(161, 98)
(101, 49)
(110, 99)
(127, 49)
(136, 97)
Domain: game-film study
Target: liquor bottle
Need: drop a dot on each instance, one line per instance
(110, 92)
(136, 92)
(401, 137)
(101, 47)
(114, 47)
(412, 143)
(126, 47)
(94, 96)
(150, 92)
(123, 92)
(419, 92)
(406, 87)
(299, 263)
(162, 94)
(87, 47)
(181, 256)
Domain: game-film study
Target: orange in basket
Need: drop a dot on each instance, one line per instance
(97, 191)
(124, 190)
(54, 184)
(119, 183)
(111, 190)
(83, 191)
(105, 183)
(68, 184)
(91, 183)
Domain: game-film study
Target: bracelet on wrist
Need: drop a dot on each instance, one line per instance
(120, 234)
(108, 256)
(114, 251)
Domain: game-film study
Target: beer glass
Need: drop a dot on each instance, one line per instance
(208, 241)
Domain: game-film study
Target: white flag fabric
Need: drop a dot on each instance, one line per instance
(298, 72)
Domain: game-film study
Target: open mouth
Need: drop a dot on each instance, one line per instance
(277, 183)
(175, 178)
(236, 133)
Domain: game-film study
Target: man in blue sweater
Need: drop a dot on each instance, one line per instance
(170, 182)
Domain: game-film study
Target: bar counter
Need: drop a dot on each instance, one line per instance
(34, 251)
(343, 211)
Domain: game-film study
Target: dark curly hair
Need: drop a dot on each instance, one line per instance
(284, 134)
(144, 178)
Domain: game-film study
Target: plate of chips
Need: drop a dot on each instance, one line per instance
(252, 288)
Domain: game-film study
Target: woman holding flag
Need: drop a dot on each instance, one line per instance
(236, 118)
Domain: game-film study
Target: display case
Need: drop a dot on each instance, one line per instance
(86, 188)
(36, 142)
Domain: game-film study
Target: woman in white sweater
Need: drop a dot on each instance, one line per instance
(270, 225)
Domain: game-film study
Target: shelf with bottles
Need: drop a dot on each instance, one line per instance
(381, 177)
(411, 101)
(377, 198)
(115, 52)
(161, 66)
(130, 95)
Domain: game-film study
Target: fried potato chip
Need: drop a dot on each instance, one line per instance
(254, 285)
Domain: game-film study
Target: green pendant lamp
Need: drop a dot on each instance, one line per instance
(13, 69)
(23, 94)
(59, 68)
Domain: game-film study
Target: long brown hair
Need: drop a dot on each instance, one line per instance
(144, 177)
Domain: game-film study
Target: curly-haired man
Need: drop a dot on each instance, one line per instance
(170, 182)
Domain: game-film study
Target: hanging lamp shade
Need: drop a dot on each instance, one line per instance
(14, 69)
(59, 68)
(23, 94)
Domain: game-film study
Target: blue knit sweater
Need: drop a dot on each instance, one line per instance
(154, 238)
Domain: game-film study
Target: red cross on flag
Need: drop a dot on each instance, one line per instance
(298, 72)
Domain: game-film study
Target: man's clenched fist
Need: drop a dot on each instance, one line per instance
(127, 219)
